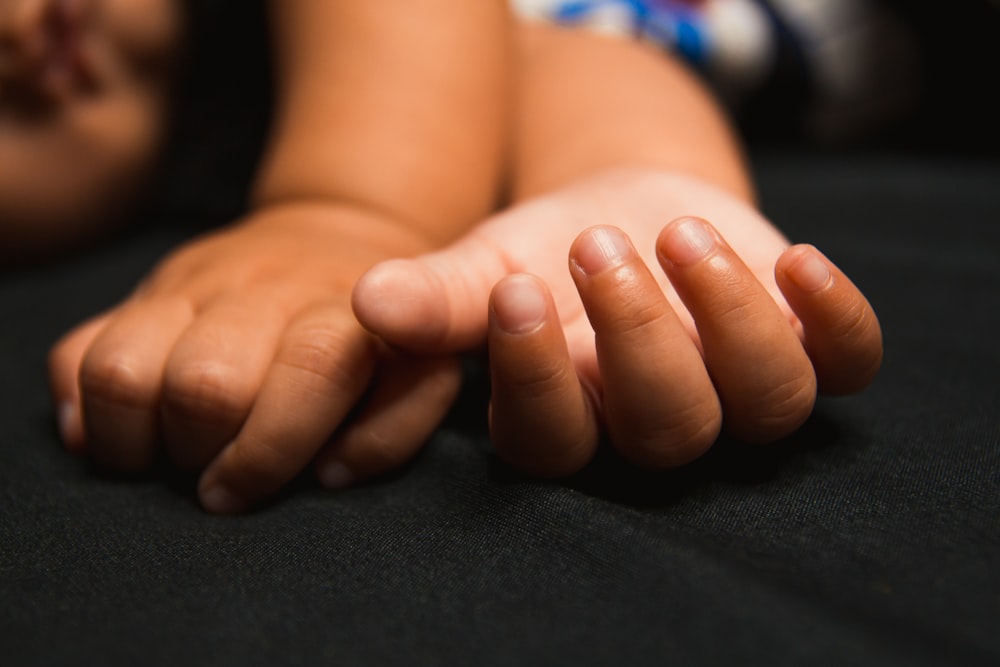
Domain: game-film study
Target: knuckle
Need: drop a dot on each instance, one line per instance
(115, 379)
(855, 322)
(728, 293)
(849, 354)
(739, 306)
(640, 317)
(204, 390)
(535, 444)
(325, 355)
(541, 452)
(780, 410)
(675, 437)
(539, 381)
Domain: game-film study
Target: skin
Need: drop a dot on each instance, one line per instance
(92, 126)
(663, 395)
(665, 328)
(239, 354)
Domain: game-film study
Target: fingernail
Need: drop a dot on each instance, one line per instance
(600, 249)
(519, 305)
(335, 475)
(809, 273)
(70, 425)
(217, 499)
(687, 241)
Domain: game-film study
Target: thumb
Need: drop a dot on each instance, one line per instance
(435, 303)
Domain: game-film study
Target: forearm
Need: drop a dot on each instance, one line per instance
(396, 107)
(588, 103)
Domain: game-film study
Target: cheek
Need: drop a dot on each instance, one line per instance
(78, 170)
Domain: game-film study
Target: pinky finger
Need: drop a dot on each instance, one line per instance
(541, 421)
(842, 333)
(64, 372)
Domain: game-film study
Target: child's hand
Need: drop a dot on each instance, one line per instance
(711, 339)
(240, 355)
(662, 394)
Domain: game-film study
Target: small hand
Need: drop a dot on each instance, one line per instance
(442, 298)
(662, 396)
(240, 356)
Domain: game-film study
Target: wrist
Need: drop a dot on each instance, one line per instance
(353, 228)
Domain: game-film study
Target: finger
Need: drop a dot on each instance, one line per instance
(120, 381)
(64, 363)
(322, 366)
(433, 303)
(661, 408)
(411, 397)
(121, 377)
(842, 333)
(761, 372)
(212, 377)
(541, 420)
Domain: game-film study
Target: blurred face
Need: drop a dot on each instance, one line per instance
(83, 105)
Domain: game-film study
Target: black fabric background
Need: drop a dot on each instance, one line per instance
(872, 537)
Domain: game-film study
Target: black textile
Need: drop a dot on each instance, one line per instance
(870, 538)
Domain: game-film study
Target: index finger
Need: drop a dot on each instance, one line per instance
(322, 367)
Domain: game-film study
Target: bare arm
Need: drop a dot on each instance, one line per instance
(388, 141)
(648, 111)
(396, 107)
(616, 147)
